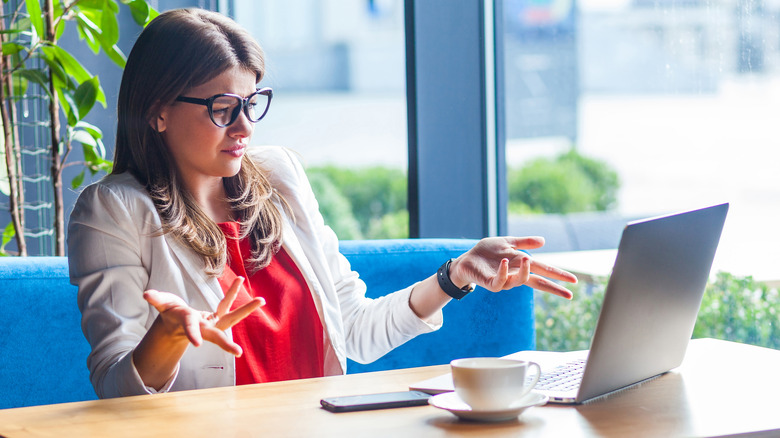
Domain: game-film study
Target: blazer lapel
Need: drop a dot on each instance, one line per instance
(194, 268)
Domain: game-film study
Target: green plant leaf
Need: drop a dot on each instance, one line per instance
(68, 107)
(85, 18)
(5, 184)
(93, 130)
(140, 10)
(34, 75)
(37, 76)
(77, 181)
(85, 33)
(92, 31)
(152, 14)
(91, 4)
(55, 67)
(8, 233)
(94, 158)
(74, 68)
(94, 150)
(71, 65)
(116, 55)
(12, 49)
(83, 137)
(60, 30)
(100, 149)
(85, 96)
(36, 17)
(19, 84)
(90, 154)
(10, 31)
(20, 25)
(109, 25)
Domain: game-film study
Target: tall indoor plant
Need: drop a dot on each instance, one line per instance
(30, 31)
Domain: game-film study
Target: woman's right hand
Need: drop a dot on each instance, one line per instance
(180, 320)
(157, 356)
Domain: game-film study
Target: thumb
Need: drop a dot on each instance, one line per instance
(160, 300)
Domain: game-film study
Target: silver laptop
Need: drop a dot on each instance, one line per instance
(649, 310)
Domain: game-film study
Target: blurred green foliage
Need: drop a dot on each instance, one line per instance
(740, 309)
(734, 308)
(563, 325)
(362, 203)
(371, 202)
(568, 183)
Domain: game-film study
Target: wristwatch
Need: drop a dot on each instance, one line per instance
(443, 275)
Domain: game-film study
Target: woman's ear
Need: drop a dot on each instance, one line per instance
(157, 121)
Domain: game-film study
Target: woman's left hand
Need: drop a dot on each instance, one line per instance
(496, 264)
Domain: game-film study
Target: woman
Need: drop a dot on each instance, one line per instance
(192, 233)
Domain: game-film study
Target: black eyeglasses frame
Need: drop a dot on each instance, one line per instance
(208, 103)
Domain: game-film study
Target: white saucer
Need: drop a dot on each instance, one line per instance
(449, 401)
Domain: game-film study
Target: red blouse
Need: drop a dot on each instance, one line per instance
(282, 340)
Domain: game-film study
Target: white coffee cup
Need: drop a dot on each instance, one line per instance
(492, 383)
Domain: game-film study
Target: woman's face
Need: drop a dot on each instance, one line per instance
(202, 151)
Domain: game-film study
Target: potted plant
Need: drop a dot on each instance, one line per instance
(31, 61)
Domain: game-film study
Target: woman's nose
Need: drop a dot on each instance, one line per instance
(242, 127)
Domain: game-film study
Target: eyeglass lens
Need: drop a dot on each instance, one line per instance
(225, 109)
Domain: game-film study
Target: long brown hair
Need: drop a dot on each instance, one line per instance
(178, 50)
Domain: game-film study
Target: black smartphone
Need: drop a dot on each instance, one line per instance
(375, 401)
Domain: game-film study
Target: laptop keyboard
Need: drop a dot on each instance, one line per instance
(565, 377)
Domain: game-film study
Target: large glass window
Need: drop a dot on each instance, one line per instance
(622, 109)
(677, 98)
(337, 70)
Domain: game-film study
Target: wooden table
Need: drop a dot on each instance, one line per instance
(722, 388)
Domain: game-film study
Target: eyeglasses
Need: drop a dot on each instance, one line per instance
(225, 108)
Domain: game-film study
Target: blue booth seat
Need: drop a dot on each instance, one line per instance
(43, 352)
(481, 324)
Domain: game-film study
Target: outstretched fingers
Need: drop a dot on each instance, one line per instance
(176, 313)
(232, 318)
(218, 337)
(545, 285)
(528, 242)
(230, 296)
(552, 272)
(540, 276)
(519, 270)
(192, 328)
(216, 333)
(498, 282)
(162, 301)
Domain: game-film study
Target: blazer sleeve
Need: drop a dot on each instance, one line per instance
(372, 327)
(105, 262)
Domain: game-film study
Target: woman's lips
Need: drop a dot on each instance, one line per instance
(235, 151)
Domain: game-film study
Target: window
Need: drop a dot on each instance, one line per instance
(678, 98)
(338, 73)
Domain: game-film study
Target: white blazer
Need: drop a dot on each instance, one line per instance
(115, 252)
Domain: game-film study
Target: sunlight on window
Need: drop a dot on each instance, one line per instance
(678, 98)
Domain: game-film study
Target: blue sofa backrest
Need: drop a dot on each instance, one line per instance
(43, 352)
(481, 324)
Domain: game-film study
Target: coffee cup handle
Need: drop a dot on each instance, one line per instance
(528, 388)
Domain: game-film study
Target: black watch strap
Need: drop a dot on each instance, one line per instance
(443, 275)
